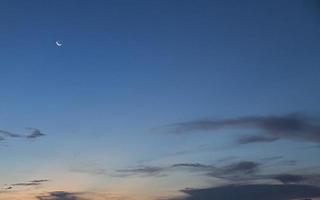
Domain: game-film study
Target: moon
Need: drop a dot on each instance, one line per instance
(59, 43)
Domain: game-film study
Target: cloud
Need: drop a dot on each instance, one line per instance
(59, 195)
(39, 181)
(239, 171)
(242, 171)
(254, 192)
(310, 179)
(289, 178)
(8, 134)
(140, 171)
(192, 165)
(25, 184)
(255, 139)
(246, 167)
(227, 171)
(292, 126)
(31, 183)
(159, 171)
(35, 133)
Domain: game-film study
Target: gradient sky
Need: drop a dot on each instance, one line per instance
(147, 98)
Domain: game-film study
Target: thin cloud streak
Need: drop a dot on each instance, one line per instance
(29, 183)
(25, 184)
(255, 139)
(242, 171)
(292, 126)
(35, 133)
(239, 168)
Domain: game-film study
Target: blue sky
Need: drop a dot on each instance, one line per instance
(128, 70)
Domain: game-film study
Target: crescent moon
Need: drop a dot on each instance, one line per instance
(59, 44)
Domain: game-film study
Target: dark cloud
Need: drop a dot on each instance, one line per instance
(39, 181)
(291, 126)
(310, 179)
(192, 165)
(25, 184)
(35, 133)
(289, 178)
(246, 167)
(254, 192)
(60, 195)
(239, 171)
(255, 139)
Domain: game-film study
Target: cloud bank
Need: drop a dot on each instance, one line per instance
(254, 192)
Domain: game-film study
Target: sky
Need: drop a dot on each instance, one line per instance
(159, 100)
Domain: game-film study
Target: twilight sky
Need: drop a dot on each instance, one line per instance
(148, 100)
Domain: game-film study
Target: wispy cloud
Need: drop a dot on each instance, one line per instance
(60, 195)
(140, 171)
(292, 126)
(236, 172)
(192, 165)
(29, 183)
(34, 133)
(255, 139)
(25, 184)
(244, 167)
(159, 170)
(9, 134)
